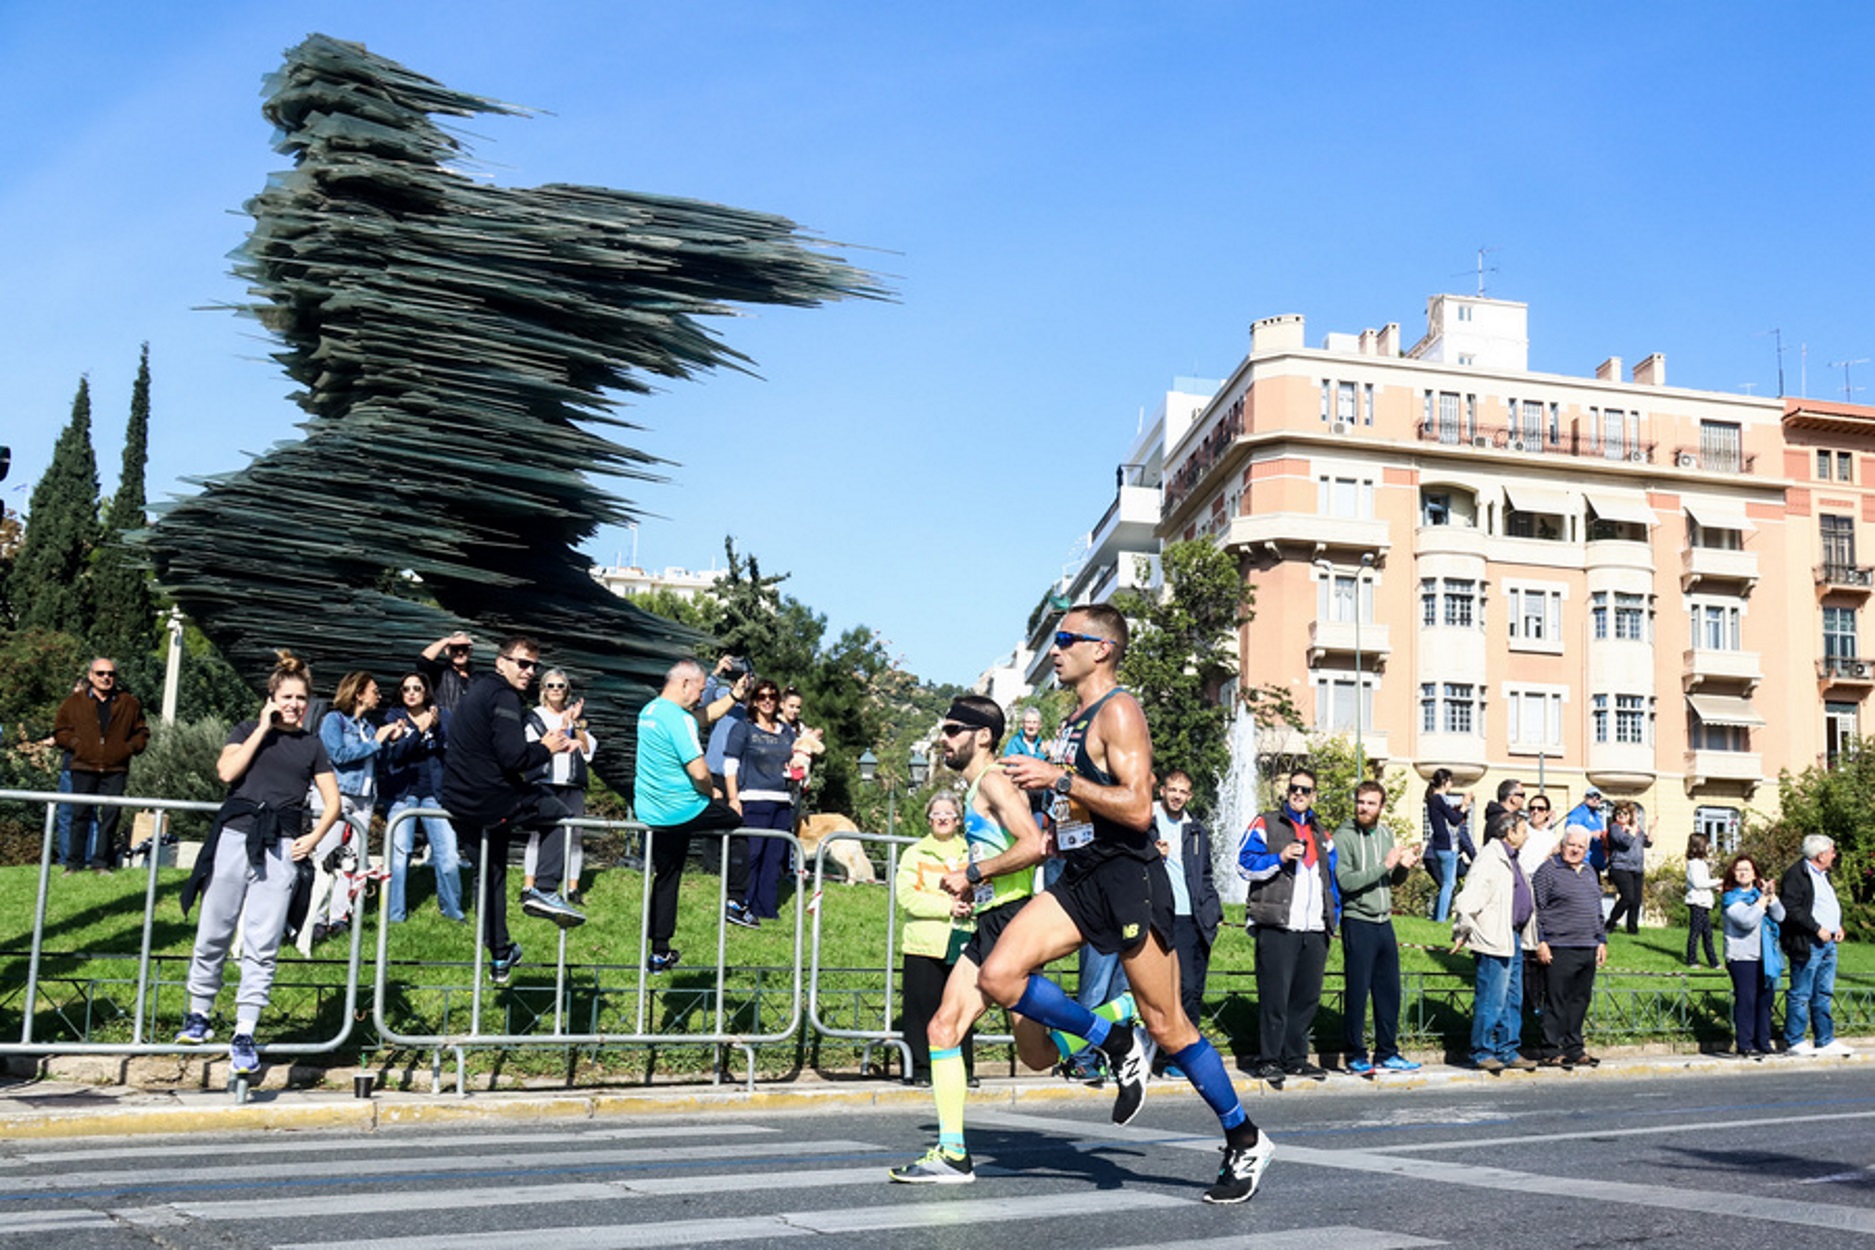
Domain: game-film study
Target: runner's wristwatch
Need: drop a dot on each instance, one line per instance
(1064, 783)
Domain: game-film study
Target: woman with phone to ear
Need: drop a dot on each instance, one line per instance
(268, 764)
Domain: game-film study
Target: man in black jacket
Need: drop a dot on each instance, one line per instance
(1196, 908)
(485, 789)
(1811, 932)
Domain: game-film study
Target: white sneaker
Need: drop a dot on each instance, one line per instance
(1836, 1050)
(1801, 1050)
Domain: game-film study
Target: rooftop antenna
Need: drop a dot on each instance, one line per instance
(1777, 333)
(1848, 391)
(1480, 269)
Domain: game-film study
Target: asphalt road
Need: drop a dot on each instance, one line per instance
(1780, 1154)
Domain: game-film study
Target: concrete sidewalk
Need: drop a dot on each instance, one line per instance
(42, 1108)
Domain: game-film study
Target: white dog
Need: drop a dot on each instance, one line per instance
(848, 854)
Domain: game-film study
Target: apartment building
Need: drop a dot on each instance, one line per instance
(1599, 580)
(1121, 551)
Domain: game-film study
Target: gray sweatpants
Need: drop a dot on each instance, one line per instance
(265, 893)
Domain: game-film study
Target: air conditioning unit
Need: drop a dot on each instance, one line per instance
(1855, 668)
(1340, 427)
(1517, 444)
(1481, 440)
(1688, 460)
(1637, 457)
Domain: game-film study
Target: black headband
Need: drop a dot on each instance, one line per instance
(964, 714)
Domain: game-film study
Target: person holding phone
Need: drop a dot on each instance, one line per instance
(245, 873)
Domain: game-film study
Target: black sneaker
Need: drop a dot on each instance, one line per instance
(501, 969)
(1241, 1172)
(936, 1168)
(1306, 1071)
(1129, 1076)
(662, 961)
(1268, 1071)
(742, 917)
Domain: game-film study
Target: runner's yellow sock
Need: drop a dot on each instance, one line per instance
(948, 1086)
(1118, 1011)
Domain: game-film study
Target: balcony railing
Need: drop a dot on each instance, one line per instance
(1338, 638)
(1707, 460)
(1209, 451)
(1845, 577)
(1701, 564)
(1517, 441)
(1703, 765)
(1846, 670)
(1702, 664)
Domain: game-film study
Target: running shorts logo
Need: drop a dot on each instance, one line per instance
(1130, 932)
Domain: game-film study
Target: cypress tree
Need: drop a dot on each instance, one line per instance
(125, 621)
(51, 584)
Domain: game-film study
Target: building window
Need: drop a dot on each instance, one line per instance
(1449, 431)
(1838, 546)
(1839, 637)
(1822, 465)
(1536, 617)
(1630, 719)
(1721, 827)
(1716, 627)
(1598, 613)
(1841, 731)
(1450, 707)
(1845, 467)
(1709, 737)
(1435, 507)
(1713, 539)
(1466, 358)
(1335, 598)
(1344, 403)
(1367, 395)
(1327, 392)
(1631, 617)
(1452, 601)
(1348, 497)
(1613, 425)
(1464, 312)
(1534, 717)
(1720, 448)
(1334, 702)
(1598, 716)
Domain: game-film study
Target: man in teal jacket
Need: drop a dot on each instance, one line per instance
(1367, 867)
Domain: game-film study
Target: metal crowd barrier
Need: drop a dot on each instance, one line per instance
(458, 1042)
(885, 1034)
(139, 1043)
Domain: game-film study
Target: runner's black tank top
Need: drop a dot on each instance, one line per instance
(1109, 838)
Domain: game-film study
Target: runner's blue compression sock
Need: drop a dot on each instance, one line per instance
(1204, 1068)
(1043, 1002)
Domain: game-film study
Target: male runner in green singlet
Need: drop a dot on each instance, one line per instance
(1115, 895)
(1005, 845)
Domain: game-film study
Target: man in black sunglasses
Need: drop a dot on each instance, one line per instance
(486, 788)
(1291, 911)
(1114, 894)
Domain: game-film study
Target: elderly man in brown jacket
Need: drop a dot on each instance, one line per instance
(102, 727)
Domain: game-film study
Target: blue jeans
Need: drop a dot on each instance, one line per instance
(1101, 978)
(68, 816)
(444, 859)
(1812, 996)
(1497, 1007)
(1448, 883)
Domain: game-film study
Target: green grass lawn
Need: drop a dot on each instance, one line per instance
(94, 926)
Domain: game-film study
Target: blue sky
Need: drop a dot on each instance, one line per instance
(1075, 203)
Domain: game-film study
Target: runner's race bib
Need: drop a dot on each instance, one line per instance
(1073, 837)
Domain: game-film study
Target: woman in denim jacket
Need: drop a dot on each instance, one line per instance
(412, 776)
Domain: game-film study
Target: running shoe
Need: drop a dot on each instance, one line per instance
(194, 1030)
(662, 961)
(1085, 1066)
(1835, 1050)
(1129, 1075)
(1241, 1172)
(552, 907)
(501, 969)
(742, 917)
(1398, 1063)
(243, 1055)
(1361, 1067)
(1306, 1071)
(935, 1167)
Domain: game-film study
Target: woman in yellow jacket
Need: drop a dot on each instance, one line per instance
(936, 924)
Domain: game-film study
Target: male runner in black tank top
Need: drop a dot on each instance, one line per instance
(1115, 895)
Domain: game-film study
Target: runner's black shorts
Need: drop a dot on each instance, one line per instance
(990, 926)
(1116, 901)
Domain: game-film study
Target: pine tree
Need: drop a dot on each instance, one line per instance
(125, 619)
(51, 584)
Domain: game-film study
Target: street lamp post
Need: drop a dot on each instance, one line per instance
(917, 768)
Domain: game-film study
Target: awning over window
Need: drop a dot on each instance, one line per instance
(1628, 507)
(1536, 499)
(1720, 516)
(1724, 709)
